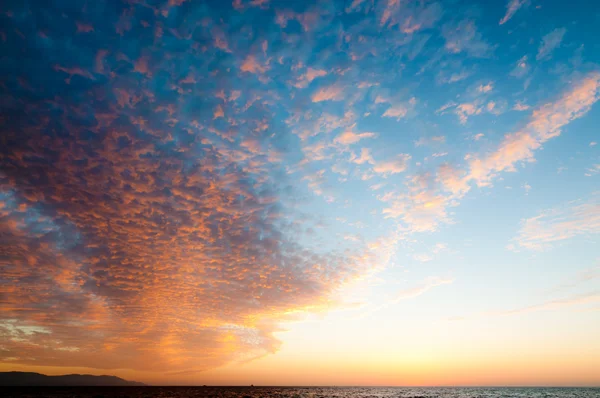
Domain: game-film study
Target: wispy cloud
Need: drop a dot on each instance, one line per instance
(349, 137)
(464, 37)
(555, 225)
(581, 299)
(521, 68)
(511, 8)
(425, 205)
(550, 305)
(544, 124)
(427, 285)
(550, 42)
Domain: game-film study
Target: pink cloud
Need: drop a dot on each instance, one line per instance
(425, 205)
(544, 124)
(85, 28)
(485, 88)
(329, 93)
(349, 137)
(99, 60)
(396, 111)
(141, 66)
(463, 111)
(218, 112)
(311, 74)
(365, 157)
(394, 166)
(251, 65)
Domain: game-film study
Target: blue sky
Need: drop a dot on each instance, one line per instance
(227, 187)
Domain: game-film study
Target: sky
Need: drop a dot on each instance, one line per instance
(365, 192)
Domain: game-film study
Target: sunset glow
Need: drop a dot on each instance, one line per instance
(274, 192)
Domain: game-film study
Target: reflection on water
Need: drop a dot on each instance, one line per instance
(300, 392)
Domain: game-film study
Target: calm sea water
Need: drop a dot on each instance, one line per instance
(298, 392)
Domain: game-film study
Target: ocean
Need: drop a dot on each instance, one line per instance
(299, 392)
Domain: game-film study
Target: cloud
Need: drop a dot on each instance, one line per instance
(218, 112)
(581, 278)
(220, 41)
(463, 111)
(158, 171)
(550, 305)
(252, 65)
(329, 93)
(522, 67)
(356, 4)
(454, 77)
(464, 37)
(84, 28)
(580, 299)
(595, 169)
(511, 8)
(485, 88)
(552, 226)
(544, 124)
(397, 111)
(429, 256)
(136, 220)
(307, 77)
(365, 157)
(349, 137)
(550, 42)
(427, 285)
(439, 139)
(409, 17)
(519, 106)
(425, 203)
(394, 166)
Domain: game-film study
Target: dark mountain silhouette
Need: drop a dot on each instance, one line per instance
(38, 379)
